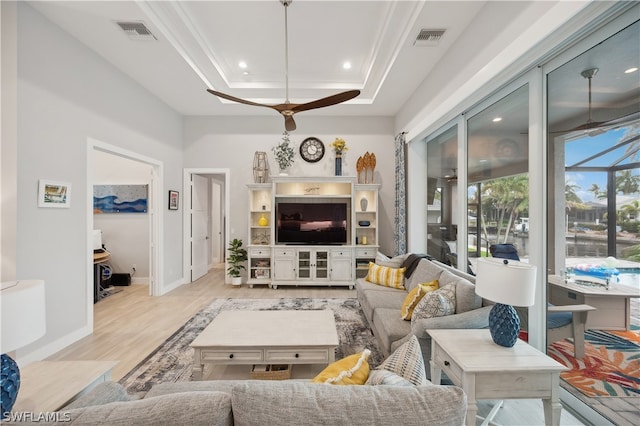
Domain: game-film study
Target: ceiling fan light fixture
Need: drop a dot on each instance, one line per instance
(590, 73)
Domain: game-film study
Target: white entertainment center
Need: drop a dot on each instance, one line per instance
(311, 231)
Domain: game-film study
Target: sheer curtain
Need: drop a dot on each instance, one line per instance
(400, 235)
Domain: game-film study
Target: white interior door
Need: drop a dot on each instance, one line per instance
(216, 223)
(199, 226)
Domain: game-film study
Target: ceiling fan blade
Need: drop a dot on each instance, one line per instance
(238, 100)
(328, 101)
(289, 123)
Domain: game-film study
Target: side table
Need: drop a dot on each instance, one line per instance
(48, 386)
(485, 370)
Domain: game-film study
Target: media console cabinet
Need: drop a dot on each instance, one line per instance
(329, 240)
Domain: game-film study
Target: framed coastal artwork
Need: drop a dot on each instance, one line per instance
(54, 194)
(120, 198)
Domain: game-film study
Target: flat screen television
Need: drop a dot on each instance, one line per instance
(311, 223)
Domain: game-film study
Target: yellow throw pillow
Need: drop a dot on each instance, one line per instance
(414, 297)
(386, 276)
(352, 370)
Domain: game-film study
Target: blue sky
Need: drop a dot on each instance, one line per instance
(580, 149)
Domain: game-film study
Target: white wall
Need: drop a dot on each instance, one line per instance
(209, 140)
(8, 140)
(125, 235)
(66, 94)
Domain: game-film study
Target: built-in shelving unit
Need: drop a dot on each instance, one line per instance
(336, 262)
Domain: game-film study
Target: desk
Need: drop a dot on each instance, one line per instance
(99, 258)
(613, 306)
(485, 370)
(48, 386)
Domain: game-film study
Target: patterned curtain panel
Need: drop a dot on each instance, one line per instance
(400, 235)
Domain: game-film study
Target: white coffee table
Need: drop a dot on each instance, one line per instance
(485, 370)
(266, 337)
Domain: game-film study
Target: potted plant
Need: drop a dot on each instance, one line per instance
(284, 154)
(237, 257)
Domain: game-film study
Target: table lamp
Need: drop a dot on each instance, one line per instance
(508, 283)
(23, 322)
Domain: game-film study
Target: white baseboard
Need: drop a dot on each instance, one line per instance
(171, 286)
(140, 280)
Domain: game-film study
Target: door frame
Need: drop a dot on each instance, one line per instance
(156, 240)
(186, 234)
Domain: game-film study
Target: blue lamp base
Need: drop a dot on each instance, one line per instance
(9, 382)
(504, 325)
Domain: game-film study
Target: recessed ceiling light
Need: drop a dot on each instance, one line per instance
(242, 64)
(495, 120)
(346, 65)
(630, 70)
(245, 73)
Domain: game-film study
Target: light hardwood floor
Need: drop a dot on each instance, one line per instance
(128, 325)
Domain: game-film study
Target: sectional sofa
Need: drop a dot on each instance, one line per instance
(382, 305)
(255, 402)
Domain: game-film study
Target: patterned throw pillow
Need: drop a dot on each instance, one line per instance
(392, 262)
(384, 377)
(439, 303)
(414, 297)
(352, 370)
(406, 362)
(388, 277)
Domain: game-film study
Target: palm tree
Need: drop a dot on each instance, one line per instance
(630, 209)
(572, 200)
(626, 182)
(597, 192)
(509, 196)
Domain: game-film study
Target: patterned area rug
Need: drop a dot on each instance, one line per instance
(611, 366)
(172, 360)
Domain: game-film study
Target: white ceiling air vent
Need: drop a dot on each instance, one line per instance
(428, 37)
(136, 30)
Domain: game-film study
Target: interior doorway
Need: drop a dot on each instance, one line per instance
(152, 247)
(206, 202)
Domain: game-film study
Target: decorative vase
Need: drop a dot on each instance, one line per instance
(363, 204)
(260, 167)
(504, 325)
(10, 384)
(338, 164)
(284, 172)
(263, 220)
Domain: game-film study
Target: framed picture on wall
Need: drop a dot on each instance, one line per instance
(54, 194)
(174, 198)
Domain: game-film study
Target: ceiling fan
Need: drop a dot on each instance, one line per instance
(288, 109)
(589, 124)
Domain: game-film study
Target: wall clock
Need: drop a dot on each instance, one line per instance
(312, 150)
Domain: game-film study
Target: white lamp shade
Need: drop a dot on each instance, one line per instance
(23, 313)
(512, 283)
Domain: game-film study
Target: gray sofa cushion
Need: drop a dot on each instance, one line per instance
(202, 386)
(284, 403)
(425, 272)
(374, 299)
(390, 327)
(193, 408)
(102, 393)
(466, 297)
